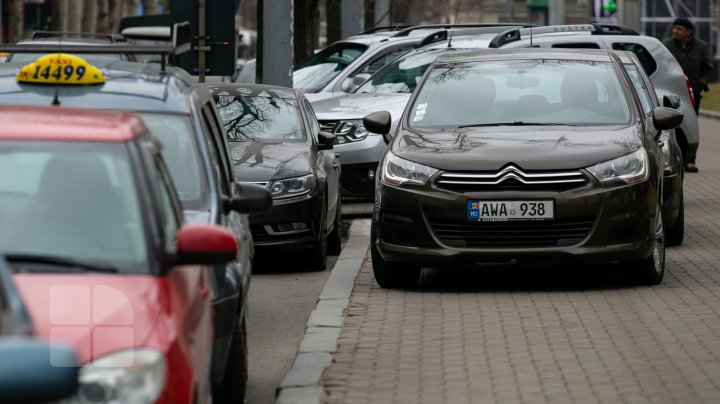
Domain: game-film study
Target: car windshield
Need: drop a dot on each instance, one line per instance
(540, 91)
(92, 58)
(71, 200)
(403, 74)
(249, 118)
(318, 70)
(181, 156)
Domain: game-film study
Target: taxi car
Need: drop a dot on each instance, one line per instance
(183, 116)
(275, 141)
(94, 233)
(524, 156)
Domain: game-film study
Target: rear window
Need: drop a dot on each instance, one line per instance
(318, 70)
(646, 59)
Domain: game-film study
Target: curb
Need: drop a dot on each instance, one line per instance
(303, 382)
(709, 114)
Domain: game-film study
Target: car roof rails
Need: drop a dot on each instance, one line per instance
(68, 34)
(385, 28)
(153, 20)
(181, 36)
(407, 31)
(516, 34)
(434, 37)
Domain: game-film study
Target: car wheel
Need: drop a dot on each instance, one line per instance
(674, 235)
(335, 237)
(651, 270)
(318, 255)
(236, 371)
(390, 275)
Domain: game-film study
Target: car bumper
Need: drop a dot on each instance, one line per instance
(359, 162)
(429, 227)
(290, 223)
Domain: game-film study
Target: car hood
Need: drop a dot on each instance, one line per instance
(98, 314)
(263, 161)
(531, 147)
(357, 105)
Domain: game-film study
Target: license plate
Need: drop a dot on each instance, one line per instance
(501, 211)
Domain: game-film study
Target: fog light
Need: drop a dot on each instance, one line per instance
(296, 226)
(371, 174)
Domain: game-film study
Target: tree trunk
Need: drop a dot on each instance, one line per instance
(74, 15)
(90, 16)
(334, 32)
(150, 6)
(15, 21)
(306, 27)
(369, 14)
(260, 40)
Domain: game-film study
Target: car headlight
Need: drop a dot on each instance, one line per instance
(290, 187)
(136, 376)
(397, 171)
(350, 131)
(630, 169)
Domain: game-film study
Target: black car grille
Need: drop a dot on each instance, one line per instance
(259, 234)
(512, 234)
(511, 178)
(397, 229)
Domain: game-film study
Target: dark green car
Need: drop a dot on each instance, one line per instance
(527, 156)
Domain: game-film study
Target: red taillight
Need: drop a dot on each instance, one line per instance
(690, 91)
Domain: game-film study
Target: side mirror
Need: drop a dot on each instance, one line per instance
(379, 122)
(666, 118)
(351, 83)
(248, 198)
(33, 372)
(204, 244)
(325, 140)
(671, 101)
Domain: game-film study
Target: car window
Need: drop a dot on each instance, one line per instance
(378, 62)
(318, 70)
(76, 201)
(402, 74)
(249, 118)
(171, 223)
(181, 155)
(640, 88)
(561, 92)
(643, 55)
(577, 45)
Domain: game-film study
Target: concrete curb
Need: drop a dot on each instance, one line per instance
(303, 382)
(709, 114)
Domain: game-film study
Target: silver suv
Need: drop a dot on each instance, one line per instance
(664, 71)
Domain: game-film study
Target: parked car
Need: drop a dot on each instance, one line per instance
(523, 156)
(183, 116)
(95, 235)
(660, 65)
(275, 141)
(341, 66)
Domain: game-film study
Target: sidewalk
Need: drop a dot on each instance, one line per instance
(501, 336)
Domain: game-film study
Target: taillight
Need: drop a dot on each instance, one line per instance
(690, 91)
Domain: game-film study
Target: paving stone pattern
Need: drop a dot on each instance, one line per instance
(545, 335)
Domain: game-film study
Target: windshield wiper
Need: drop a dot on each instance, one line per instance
(514, 123)
(58, 261)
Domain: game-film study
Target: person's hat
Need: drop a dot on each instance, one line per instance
(684, 22)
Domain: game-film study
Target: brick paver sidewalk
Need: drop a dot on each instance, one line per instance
(545, 335)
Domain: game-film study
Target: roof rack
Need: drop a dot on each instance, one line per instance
(385, 28)
(434, 37)
(67, 34)
(516, 34)
(407, 31)
(181, 44)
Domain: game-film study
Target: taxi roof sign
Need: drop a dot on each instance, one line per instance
(60, 68)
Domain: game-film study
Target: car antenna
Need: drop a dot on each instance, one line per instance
(56, 99)
(531, 37)
(452, 29)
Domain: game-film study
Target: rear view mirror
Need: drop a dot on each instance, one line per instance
(204, 244)
(666, 118)
(249, 198)
(32, 371)
(671, 101)
(380, 123)
(352, 83)
(325, 140)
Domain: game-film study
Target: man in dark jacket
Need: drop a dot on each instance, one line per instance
(692, 54)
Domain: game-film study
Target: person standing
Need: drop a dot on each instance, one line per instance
(692, 54)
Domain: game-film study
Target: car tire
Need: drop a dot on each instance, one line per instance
(335, 236)
(234, 382)
(651, 270)
(675, 235)
(319, 252)
(391, 275)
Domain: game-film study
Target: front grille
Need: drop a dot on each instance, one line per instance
(511, 178)
(259, 234)
(514, 234)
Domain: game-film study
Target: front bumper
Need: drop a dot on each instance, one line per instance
(273, 228)
(359, 162)
(429, 226)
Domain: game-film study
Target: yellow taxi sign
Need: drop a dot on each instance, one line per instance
(60, 68)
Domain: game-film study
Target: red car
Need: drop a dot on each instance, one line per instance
(92, 227)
